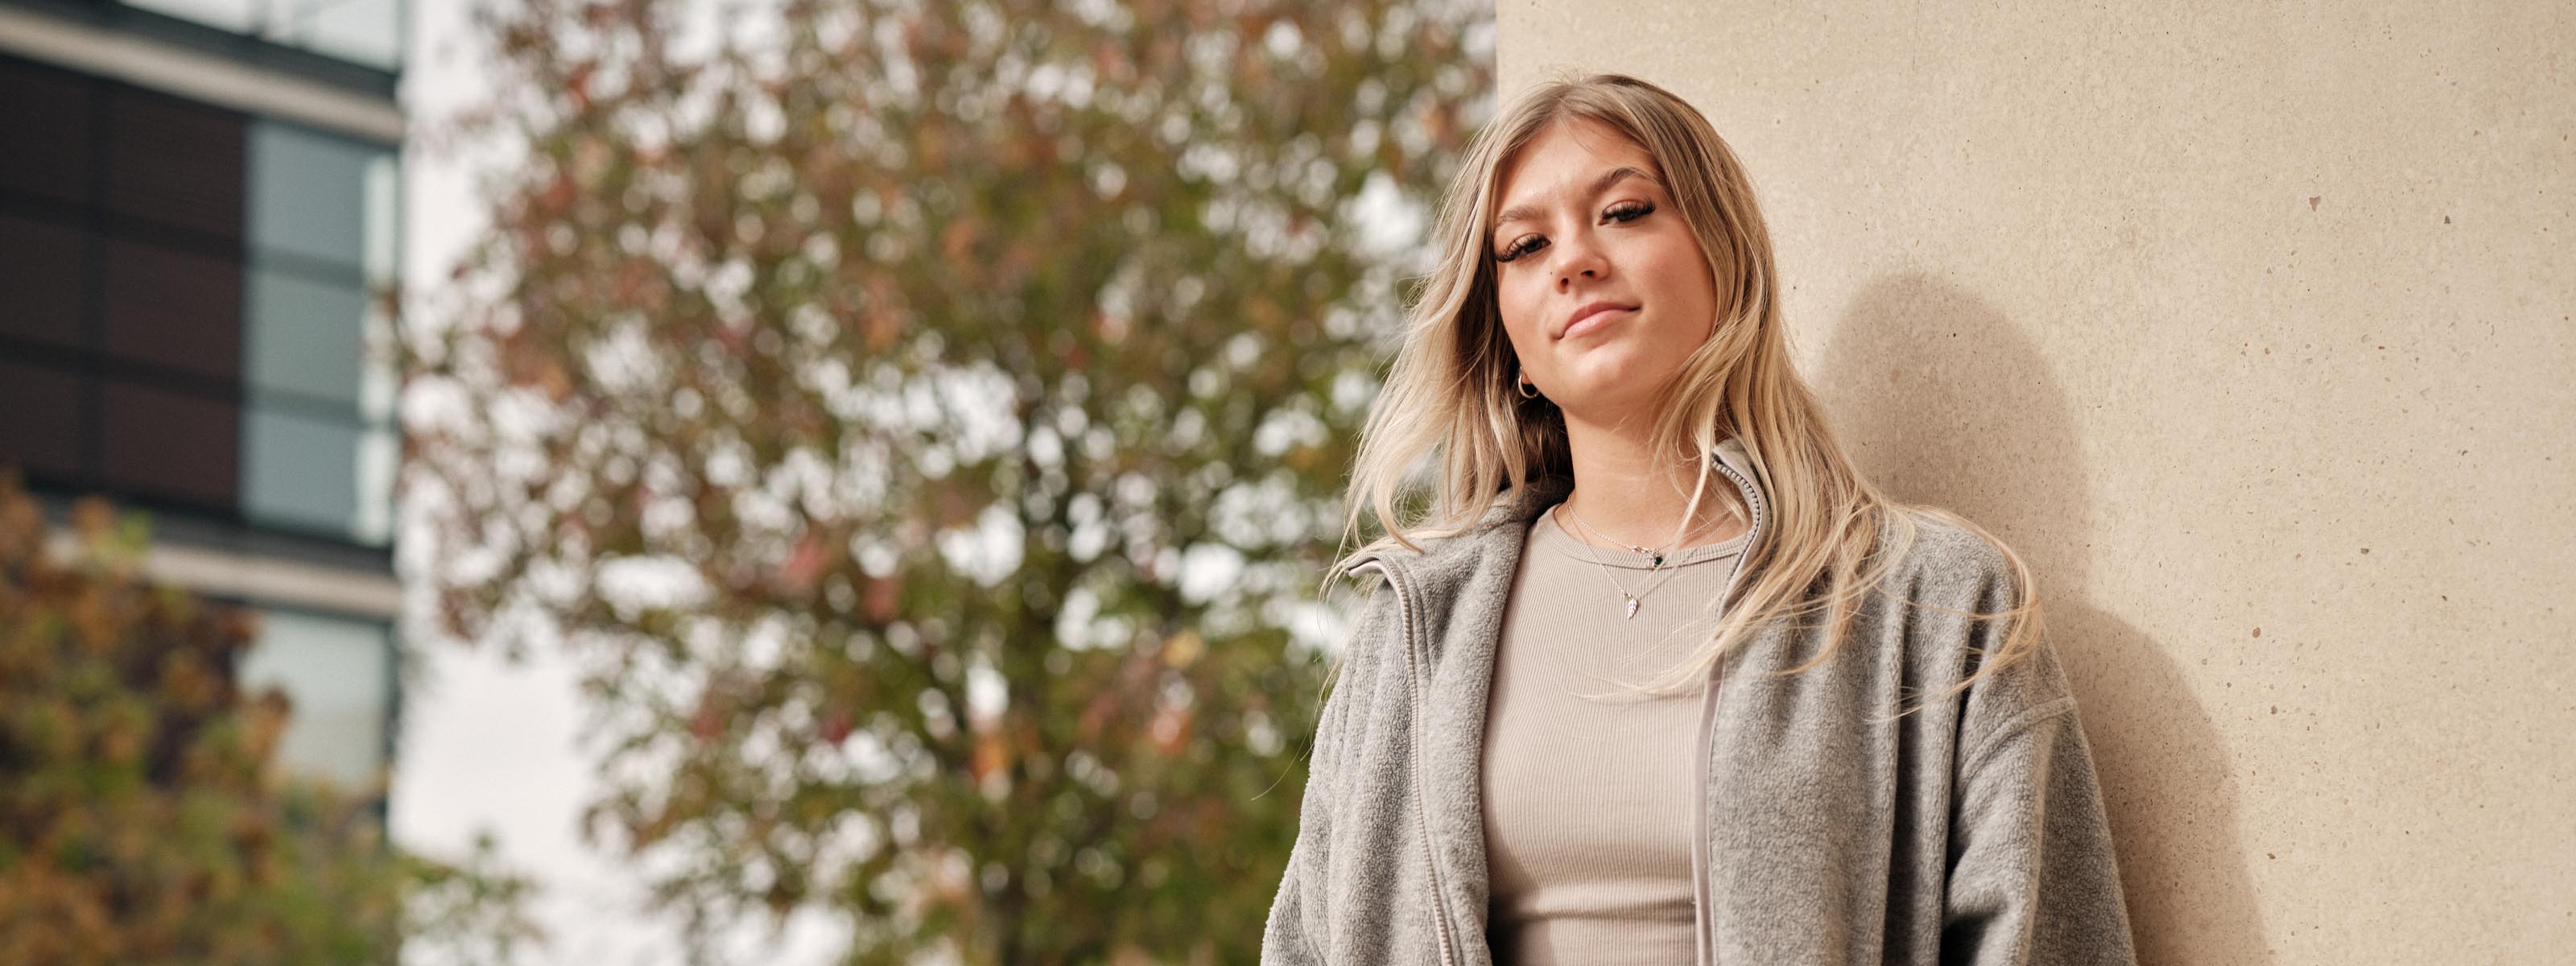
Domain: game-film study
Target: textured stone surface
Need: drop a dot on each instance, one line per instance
(2251, 330)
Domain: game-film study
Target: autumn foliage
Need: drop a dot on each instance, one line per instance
(142, 818)
(924, 423)
(139, 820)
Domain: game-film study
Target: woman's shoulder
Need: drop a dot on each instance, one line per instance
(1972, 583)
(1937, 549)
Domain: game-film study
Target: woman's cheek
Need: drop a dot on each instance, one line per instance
(1520, 321)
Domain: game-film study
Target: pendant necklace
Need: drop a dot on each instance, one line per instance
(1631, 599)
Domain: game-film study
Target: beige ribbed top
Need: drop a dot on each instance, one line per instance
(1587, 803)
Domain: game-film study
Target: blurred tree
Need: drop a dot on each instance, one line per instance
(924, 423)
(141, 817)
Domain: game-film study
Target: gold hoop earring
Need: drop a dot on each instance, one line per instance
(1528, 390)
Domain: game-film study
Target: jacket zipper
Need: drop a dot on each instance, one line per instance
(1421, 786)
(1705, 917)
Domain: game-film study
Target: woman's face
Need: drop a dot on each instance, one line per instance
(1584, 225)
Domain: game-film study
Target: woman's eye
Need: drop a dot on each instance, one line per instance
(1626, 212)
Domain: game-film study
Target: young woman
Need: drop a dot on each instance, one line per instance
(1630, 691)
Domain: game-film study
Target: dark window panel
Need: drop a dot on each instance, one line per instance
(45, 131)
(175, 309)
(40, 420)
(176, 163)
(40, 282)
(169, 445)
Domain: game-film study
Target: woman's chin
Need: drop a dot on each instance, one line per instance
(1610, 403)
(1617, 369)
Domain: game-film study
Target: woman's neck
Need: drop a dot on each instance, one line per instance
(1624, 494)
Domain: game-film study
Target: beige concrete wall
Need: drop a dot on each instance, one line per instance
(2251, 329)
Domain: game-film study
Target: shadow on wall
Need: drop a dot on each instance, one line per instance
(1944, 402)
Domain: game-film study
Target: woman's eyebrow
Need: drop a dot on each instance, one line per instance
(1530, 212)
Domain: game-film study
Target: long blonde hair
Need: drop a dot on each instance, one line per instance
(1449, 397)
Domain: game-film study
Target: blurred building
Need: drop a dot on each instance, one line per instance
(197, 214)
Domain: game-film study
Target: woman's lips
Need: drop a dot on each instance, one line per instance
(1594, 321)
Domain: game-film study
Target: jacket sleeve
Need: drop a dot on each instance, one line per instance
(1288, 938)
(2033, 878)
(1295, 934)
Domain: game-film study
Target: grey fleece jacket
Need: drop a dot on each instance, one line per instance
(1970, 832)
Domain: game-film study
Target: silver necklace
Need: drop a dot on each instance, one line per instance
(1631, 599)
(1657, 553)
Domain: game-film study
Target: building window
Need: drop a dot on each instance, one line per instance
(338, 673)
(360, 31)
(194, 306)
(318, 438)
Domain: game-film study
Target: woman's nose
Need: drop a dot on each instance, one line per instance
(1579, 257)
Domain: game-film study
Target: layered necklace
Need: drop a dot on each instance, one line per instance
(1656, 577)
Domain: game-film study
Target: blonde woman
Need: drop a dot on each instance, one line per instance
(1630, 690)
